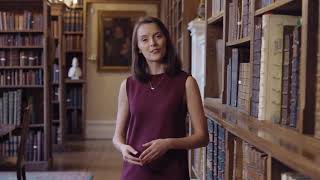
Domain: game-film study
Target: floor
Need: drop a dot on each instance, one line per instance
(96, 156)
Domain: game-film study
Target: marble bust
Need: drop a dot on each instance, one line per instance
(75, 71)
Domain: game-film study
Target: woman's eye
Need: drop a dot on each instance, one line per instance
(144, 40)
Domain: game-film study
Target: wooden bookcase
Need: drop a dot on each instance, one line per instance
(68, 99)
(24, 74)
(176, 15)
(74, 92)
(57, 70)
(280, 148)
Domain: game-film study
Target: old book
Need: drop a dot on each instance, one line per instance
(271, 65)
(234, 76)
(295, 76)
(286, 74)
(256, 68)
(243, 89)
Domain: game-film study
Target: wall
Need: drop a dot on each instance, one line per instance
(102, 88)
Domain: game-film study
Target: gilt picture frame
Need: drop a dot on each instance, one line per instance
(114, 39)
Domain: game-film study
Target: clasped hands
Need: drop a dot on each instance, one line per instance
(155, 149)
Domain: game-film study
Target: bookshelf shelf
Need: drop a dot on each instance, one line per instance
(55, 102)
(56, 121)
(240, 42)
(22, 86)
(281, 7)
(36, 125)
(216, 19)
(21, 31)
(69, 81)
(284, 145)
(74, 33)
(21, 47)
(74, 108)
(74, 51)
(21, 67)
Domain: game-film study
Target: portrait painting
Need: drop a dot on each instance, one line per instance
(114, 39)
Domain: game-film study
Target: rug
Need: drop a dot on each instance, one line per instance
(52, 175)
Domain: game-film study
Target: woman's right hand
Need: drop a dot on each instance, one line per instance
(127, 155)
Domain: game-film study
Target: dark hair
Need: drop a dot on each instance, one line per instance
(139, 64)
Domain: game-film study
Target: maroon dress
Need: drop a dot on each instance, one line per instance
(155, 114)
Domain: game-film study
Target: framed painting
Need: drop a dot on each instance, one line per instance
(114, 39)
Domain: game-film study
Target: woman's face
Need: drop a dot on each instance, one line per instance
(151, 42)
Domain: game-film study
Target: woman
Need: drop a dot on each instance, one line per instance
(153, 103)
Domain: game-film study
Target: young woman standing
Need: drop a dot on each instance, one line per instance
(152, 108)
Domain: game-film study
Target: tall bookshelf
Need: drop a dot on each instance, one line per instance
(176, 15)
(74, 46)
(57, 70)
(260, 100)
(24, 75)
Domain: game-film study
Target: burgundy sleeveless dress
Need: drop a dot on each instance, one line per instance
(155, 114)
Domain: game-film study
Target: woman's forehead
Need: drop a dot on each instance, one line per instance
(148, 29)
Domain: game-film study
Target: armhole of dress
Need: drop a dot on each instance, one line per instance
(127, 88)
(185, 91)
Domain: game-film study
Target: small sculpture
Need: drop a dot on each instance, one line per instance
(74, 72)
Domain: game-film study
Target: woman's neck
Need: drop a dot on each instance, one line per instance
(156, 68)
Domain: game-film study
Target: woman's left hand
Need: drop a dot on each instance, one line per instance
(155, 149)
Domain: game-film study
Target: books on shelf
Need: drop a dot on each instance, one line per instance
(216, 151)
(254, 162)
(73, 21)
(271, 65)
(16, 21)
(217, 7)
(239, 19)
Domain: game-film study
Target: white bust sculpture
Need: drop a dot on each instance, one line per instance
(74, 71)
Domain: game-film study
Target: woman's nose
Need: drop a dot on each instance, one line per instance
(152, 42)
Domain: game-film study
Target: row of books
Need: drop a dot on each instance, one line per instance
(74, 97)
(73, 20)
(17, 57)
(35, 147)
(254, 163)
(238, 72)
(217, 7)
(21, 77)
(275, 72)
(13, 40)
(263, 3)
(279, 69)
(9, 148)
(20, 21)
(10, 107)
(216, 151)
(239, 23)
(73, 42)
